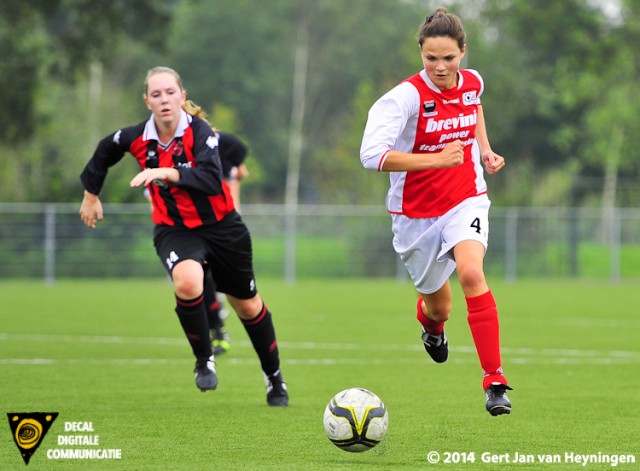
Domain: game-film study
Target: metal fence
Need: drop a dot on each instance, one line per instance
(49, 241)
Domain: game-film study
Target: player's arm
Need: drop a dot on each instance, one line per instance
(109, 151)
(451, 156)
(206, 176)
(385, 123)
(492, 161)
(236, 174)
(151, 175)
(243, 172)
(234, 189)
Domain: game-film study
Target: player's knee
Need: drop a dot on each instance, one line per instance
(188, 280)
(246, 308)
(440, 313)
(187, 290)
(470, 278)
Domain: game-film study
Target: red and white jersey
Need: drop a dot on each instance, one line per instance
(417, 117)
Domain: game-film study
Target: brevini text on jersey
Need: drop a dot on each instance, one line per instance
(446, 116)
(439, 117)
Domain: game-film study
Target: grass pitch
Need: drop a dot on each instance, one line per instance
(112, 354)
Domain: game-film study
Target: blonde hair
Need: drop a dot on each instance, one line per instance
(189, 106)
(162, 70)
(196, 110)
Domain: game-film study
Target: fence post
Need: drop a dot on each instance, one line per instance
(614, 245)
(49, 244)
(511, 244)
(574, 242)
(290, 243)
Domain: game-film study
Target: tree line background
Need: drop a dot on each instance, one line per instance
(295, 79)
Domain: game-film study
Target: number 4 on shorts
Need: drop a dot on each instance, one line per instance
(476, 225)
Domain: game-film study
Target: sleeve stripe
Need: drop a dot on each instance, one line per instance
(382, 160)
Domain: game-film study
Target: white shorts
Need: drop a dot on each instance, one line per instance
(426, 245)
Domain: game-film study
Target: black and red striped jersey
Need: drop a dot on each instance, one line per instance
(200, 197)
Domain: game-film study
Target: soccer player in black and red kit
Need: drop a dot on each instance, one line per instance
(195, 222)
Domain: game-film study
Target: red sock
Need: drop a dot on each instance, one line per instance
(485, 329)
(431, 326)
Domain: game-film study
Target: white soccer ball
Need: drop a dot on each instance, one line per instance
(355, 420)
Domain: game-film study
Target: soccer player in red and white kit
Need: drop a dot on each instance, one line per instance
(195, 222)
(429, 133)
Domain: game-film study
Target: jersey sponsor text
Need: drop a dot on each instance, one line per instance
(462, 121)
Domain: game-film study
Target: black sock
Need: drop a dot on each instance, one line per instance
(263, 337)
(193, 318)
(211, 302)
(213, 315)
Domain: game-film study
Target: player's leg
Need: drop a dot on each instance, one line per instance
(433, 311)
(417, 242)
(188, 282)
(483, 322)
(465, 234)
(220, 341)
(182, 254)
(231, 263)
(257, 321)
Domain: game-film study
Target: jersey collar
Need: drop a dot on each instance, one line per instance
(432, 86)
(151, 132)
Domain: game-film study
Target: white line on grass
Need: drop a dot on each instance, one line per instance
(306, 361)
(512, 355)
(38, 338)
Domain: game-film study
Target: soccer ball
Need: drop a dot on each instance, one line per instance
(355, 420)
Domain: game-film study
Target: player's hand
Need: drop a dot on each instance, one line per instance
(243, 172)
(492, 162)
(91, 210)
(452, 155)
(157, 176)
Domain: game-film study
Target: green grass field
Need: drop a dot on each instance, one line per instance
(112, 353)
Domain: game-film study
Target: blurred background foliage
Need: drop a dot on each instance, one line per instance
(561, 95)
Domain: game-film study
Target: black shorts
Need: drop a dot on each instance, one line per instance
(225, 247)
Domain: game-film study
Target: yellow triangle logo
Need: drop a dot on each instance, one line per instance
(28, 430)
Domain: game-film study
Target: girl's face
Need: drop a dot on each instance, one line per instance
(165, 99)
(441, 58)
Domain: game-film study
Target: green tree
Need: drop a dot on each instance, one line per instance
(355, 56)
(611, 124)
(240, 56)
(338, 173)
(47, 39)
(53, 51)
(568, 85)
(559, 96)
(244, 57)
